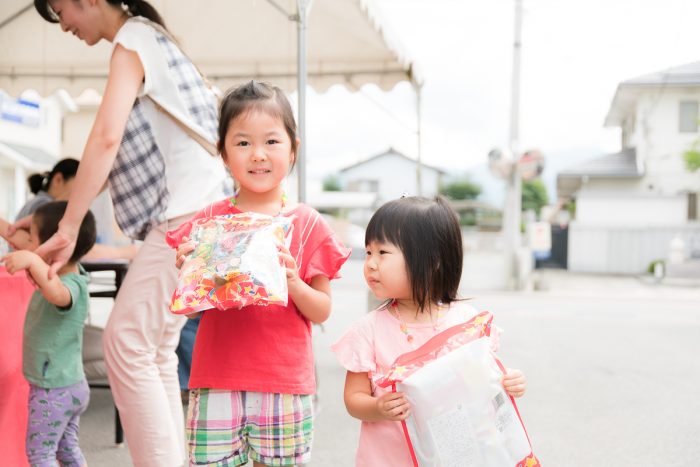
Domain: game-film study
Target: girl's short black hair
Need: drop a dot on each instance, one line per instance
(427, 232)
(255, 95)
(47, 217)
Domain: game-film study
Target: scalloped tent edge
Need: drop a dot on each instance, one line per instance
(346, 42)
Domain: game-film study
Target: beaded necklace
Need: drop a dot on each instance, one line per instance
(283, 201)
(394, 307)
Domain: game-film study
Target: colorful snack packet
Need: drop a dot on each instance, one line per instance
(234, 264)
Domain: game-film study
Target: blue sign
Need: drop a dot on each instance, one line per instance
(21, 111)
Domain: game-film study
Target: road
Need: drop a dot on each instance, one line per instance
(611, 362)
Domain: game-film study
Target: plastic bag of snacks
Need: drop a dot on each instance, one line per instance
(460, 414)
(234, 264)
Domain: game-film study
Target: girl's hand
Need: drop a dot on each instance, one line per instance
(19, 260)
(393, 406)
(514, 382)
(289, 264)
(186, 247)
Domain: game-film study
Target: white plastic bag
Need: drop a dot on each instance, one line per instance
(460, 414)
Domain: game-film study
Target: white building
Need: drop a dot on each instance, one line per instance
(31, 130)
(630, 205)
(390, 175)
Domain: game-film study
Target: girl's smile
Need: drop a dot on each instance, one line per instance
(259, 171)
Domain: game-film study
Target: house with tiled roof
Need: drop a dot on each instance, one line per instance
(631, 204)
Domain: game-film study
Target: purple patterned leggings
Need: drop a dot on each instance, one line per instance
(52, 428)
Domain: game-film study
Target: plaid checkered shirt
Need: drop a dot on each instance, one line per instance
(137, 179)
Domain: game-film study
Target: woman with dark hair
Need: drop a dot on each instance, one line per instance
(57, 185)
(54, 185)
(149, 141)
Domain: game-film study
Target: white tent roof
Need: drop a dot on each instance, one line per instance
(230, 40)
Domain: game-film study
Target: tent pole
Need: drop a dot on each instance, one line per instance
(303, 7)
(418, 87)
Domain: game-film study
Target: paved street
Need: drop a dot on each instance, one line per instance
(611, 364)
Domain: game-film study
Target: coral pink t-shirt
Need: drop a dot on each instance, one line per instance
(371, 345)
(265, 348)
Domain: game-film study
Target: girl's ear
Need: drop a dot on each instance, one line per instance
(223, 153)
(293, 159)
(57, 179)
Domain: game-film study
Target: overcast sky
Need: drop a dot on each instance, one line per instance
(574, 54)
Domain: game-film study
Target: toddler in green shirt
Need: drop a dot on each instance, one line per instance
(53, 340)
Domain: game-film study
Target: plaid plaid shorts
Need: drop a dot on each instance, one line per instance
(225, 427)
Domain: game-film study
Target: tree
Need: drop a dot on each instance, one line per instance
(692, 158)
(461, 189)
(331, 183)
(534, 195)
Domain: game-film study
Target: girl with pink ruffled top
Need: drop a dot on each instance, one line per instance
(414, 262)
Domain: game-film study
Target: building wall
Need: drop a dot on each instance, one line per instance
(44, 136)
(7, 195)
(660, 144)
(629, 210)
(390, 176)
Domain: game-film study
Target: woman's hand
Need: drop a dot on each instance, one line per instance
(58, 249)
(514, 382)
(393, 406)
(17, 234)
(21, 224)
(185, 248)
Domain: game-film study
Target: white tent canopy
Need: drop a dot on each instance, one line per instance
(230, 40)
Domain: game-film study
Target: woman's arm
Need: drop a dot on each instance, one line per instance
(100, 251)
(363, 405)
(125, 77)
(52, 289)
(17, 238)
(312, 300)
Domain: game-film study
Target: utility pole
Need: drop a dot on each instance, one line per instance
(512, 215)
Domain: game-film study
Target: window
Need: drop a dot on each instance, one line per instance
(364, 185)
(688, 117)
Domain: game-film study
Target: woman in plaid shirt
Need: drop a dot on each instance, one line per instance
(158, 177)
